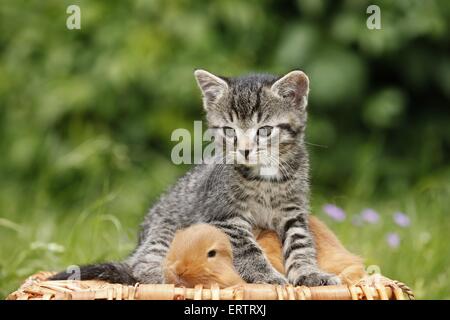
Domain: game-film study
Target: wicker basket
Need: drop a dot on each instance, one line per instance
(37, 287)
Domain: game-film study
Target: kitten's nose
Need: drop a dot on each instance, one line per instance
(245, 153)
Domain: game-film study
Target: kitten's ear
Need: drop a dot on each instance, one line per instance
(293, 86)
(212, 87)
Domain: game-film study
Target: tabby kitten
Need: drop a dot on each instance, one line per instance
(250, 114)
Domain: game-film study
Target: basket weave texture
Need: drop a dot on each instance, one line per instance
(37, 287)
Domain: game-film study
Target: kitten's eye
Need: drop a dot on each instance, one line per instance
(229, 132)
(211, 253)
(265, 131)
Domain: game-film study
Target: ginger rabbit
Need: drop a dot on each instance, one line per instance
(202, 254)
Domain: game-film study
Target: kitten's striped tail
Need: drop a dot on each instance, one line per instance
(113, 272)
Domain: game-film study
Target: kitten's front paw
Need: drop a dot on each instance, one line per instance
(278, 280)
(316, 278)
(272, 279)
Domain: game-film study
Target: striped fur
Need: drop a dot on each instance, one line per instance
(235, 197)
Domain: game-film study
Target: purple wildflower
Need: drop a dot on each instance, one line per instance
(393, 240)
(402, 219)
(370, 216)
(334, 212)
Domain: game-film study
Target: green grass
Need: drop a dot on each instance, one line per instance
(38, 234)
(422, 259)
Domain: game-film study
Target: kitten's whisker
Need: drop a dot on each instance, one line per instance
(276, 161)
(284, 166)
(316, 145)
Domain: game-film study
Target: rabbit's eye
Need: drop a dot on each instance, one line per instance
(211, 253)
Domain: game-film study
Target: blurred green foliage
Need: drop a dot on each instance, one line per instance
(86, 115)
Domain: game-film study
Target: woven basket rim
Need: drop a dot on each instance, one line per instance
(37, 287)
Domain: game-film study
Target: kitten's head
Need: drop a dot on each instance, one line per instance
(256, 115)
